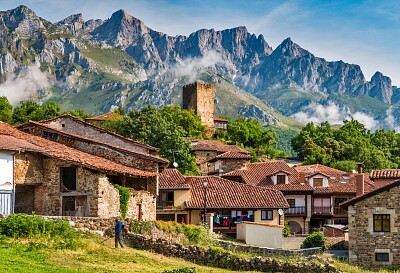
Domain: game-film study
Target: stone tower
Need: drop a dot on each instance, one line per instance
(200, 97)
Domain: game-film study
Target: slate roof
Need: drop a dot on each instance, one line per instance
(364, 196)
(20, 141)
(62, 132)
(223, 193)
(385, 174)
(215, 145)
(231, 155)
(172, 179)
(101, 130)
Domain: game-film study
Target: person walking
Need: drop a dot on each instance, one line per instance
(119, 226)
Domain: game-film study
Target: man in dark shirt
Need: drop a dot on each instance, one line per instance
(119, 226)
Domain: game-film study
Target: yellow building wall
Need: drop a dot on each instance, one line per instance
(195, 217)
(274, 221)
(180, 196)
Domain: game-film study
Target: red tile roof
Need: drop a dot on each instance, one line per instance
(345, 184)
(223, 193)
(364, 196)
(14, 144)
(100, 129)
(106, 116)
(385, 174)
(232, 155)
(317, 168)
(20, 140)
(220, 119)
(259, 174)
(61, 132)
(172, 179)
(215, 145)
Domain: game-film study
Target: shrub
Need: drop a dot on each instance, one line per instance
(286, 230)
(124, 196)
(316, 239)
(181, 270)
(140, 227)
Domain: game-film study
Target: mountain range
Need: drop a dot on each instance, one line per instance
(98, 65)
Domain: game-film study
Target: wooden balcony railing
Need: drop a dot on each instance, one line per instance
(322, 210)
(295, 211)
(339, 211)
(165, 205)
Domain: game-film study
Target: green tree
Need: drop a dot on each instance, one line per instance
(32, 110)
(164, 129)
(5, 110)
(80, 113)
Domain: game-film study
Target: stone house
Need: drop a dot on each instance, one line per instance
(216, 158)
(50, 178)
(183, 198)
(374, 226)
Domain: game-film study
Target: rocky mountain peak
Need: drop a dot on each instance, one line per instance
(290, 49)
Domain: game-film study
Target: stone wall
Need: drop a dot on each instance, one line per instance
(337, 243)
(28, 168)
(228, 165)
(222, 259)
(363, 241)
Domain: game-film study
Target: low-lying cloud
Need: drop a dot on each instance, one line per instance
(25, 85)
(334, 114)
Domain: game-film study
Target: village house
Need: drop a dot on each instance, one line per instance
(182, 199)
(374, 226)
(383, 177)
(216, 158)
(50, 178)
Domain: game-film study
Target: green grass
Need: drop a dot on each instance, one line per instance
(95, 257)
(344, 266)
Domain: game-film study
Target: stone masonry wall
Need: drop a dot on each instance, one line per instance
(228, 165)
(28, 168)
(363, 241)
(220, 259)
(200, 97)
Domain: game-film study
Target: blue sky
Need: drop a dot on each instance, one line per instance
(361, 32)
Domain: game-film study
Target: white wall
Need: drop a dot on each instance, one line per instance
(300, 199)
(324, 180)
(274, 177)
(258, 234)
(6, 171)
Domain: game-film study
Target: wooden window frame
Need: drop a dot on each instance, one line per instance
(290, 201)
(319, 179)
(382, 218)
(280, 176)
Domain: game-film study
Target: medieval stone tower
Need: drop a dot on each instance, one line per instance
(200, 97)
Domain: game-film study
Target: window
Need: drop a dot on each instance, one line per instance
(381, 222)
(382, 257)
(281, 179)
(266, 215)
(292, 202)
(51, 136)
(317, 182)
(68, 179)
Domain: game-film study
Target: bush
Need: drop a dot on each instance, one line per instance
(124, 196)
(316, 239)
(42, 232)
(140, 227)
(181, 270)
(286, 230)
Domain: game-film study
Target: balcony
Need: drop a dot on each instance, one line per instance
(165, 205)
(339, 211)
(322, 210)
(296, 211)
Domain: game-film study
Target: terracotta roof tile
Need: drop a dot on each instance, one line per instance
(172, 179)
(14, 144)
(139, 154)
(382, 174)
(232, 155)
(220, 119)
(106, 116)
(345, 183)
(259, 174)
(65, 153)
(216, 145)
(317, 168)
(223, 193)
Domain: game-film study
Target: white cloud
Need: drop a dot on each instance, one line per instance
(192, 67)
(26, 85)
(332, 113)
(390, 121)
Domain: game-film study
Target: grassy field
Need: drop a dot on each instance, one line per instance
(95, 257)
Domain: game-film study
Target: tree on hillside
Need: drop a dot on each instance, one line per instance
(31, 110)
(341, 148)
(165, 129)
(5, 110)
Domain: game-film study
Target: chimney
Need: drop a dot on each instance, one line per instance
(359, 179)
(302, 178)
